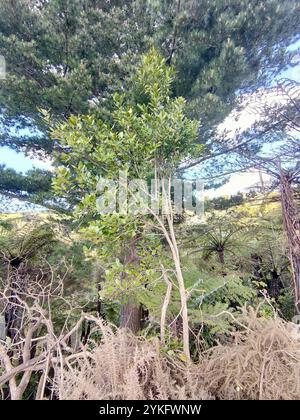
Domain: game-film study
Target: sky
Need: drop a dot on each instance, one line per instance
(238, 182)
(20, 162)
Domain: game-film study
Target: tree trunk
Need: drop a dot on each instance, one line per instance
(165, 305)
(131, 311)
(170, 237)
(221, 256)
(292, 227)
(13, 312)
(131, 316)
(274, 285)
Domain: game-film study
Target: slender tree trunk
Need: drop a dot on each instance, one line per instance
(131, 316)
(174, 36)
(164, 308)
(98, 278)
(13, 312)
(274, 285)
(131, 311)
(221, 256)
(292, 227)
(184, 309)
(171, 238)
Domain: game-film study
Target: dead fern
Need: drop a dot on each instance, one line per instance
(126, 367)
(263, 362)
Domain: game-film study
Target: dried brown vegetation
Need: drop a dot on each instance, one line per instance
(127, 367)
(263, 362)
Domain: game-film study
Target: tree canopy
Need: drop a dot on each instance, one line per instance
(69, 56)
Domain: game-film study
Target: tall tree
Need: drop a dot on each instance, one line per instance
(68, 55)
(147, 136)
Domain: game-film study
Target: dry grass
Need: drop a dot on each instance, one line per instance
(127, 367)
(263, 362)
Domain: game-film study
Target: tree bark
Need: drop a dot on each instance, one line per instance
(131, 311)
(164, 308)
(292, 227)
(274, 285)
(131, 316)
(17, 284)
(170, 237)
(221, 256)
